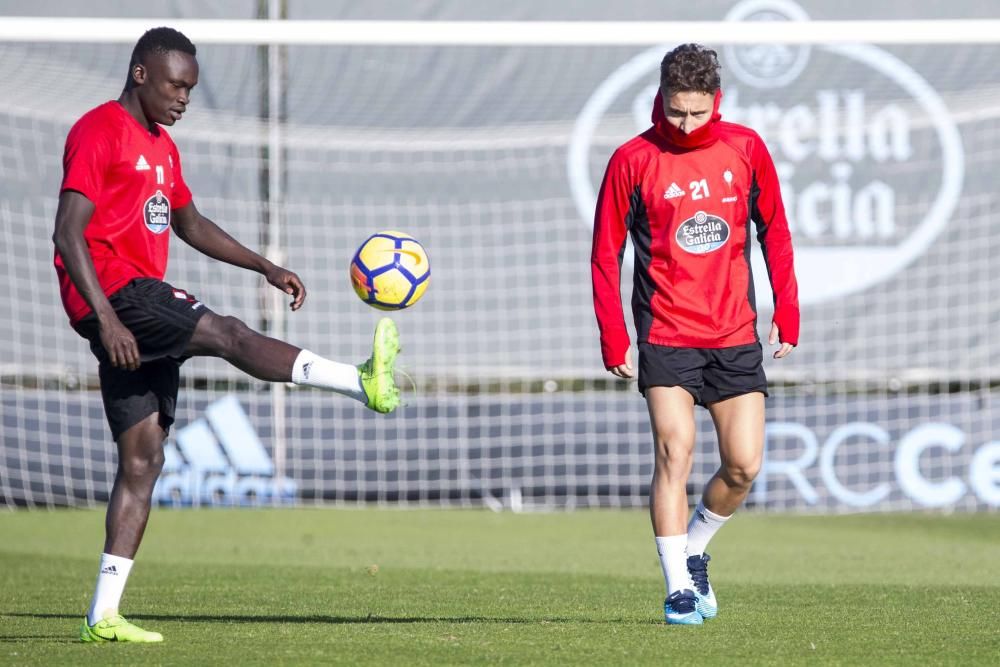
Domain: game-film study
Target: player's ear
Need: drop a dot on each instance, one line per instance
(138, 74)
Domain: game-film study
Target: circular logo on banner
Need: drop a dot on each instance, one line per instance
(156, 213)
(856, 141)
(702, 234)
(767, 65)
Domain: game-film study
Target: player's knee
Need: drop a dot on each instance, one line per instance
(240, 334)
(674, 449)
(140, 452)
(143, 467)
(231, 336)
(741, 474)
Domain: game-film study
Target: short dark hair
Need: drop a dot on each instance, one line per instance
(160, 40)
(690, 68)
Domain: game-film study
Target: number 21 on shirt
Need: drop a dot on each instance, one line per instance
(699, 189)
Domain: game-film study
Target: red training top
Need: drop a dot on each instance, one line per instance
(688, 200)
(133, 177)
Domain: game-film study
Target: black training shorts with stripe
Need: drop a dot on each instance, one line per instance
(162, 318)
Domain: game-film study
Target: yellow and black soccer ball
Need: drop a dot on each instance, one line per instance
(390, 271)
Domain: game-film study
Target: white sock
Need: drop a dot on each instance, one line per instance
(703, 525)
(111, 580)
(673, 560)
(314, 371)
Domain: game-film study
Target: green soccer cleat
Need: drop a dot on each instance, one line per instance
(116, 629)
(377, 373)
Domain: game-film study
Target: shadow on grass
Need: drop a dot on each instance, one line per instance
(347, 620)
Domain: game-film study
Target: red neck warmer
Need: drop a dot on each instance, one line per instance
(706, 135)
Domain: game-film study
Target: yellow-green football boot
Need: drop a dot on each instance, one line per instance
(377, 378)
(114, 628)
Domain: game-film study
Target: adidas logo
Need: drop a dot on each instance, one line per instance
(141, 164)
(306, 367)
(220, 460)
(701, 517)
(109, 569)
(673, 191)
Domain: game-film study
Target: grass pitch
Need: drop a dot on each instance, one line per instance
(396, 587)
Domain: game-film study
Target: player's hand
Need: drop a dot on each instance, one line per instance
(625, 370)
(785, 348)
(288, 283)
(120, 344)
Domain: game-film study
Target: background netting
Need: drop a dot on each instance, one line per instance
(487, 155)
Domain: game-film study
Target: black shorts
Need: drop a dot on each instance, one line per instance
(708, 374)
(162, 319)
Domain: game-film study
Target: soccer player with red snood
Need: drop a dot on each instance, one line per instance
(122, 193)
(690, 191)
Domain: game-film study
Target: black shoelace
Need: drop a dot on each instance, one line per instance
(698, 567)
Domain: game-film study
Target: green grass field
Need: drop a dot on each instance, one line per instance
(395, 587)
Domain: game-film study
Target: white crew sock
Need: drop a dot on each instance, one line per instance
(111, 580)
(314, 371)
(703, 525)
(673, 560)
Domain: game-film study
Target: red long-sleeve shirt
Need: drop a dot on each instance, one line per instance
(688, 203)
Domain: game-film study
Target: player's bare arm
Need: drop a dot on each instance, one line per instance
(208, 238)
(72, 217)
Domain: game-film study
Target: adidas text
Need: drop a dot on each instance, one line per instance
(220, 460)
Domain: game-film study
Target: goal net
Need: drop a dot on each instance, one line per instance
(487, 143)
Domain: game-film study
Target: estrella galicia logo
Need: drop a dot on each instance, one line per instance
(156, 213)
(702, 234)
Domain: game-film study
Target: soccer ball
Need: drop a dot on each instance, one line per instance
(390, 271)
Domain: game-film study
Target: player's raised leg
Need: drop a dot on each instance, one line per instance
(739, 423)
(372, 382)
(140, 459)
(671, 414)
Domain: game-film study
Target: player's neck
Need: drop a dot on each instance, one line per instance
(132, 105)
